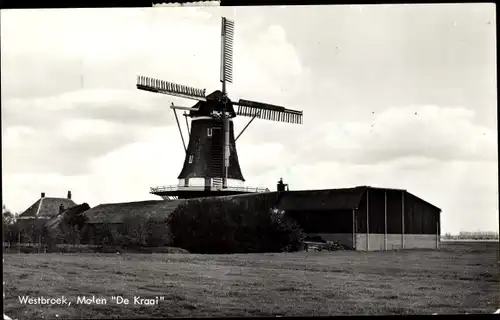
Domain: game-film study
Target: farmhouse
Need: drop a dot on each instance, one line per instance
(361, 218)
(40, 213)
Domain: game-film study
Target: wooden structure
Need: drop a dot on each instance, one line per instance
(366, 218)
(211, 166)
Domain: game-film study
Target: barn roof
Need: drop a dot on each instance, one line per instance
(47, 207)
(332, 199)
(329, 199)
(406, 192)
(118, 212)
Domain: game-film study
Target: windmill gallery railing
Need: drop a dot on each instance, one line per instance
(190, 188)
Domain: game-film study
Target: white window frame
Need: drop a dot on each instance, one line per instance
(209, 132)
(190, 160)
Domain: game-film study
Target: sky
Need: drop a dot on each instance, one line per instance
(396, 96)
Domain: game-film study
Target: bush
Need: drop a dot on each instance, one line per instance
(158, 234)
(75, 216)
(135, 231)
(225, 226)
(132, 233)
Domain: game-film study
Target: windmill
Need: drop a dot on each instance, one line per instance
(211, 162)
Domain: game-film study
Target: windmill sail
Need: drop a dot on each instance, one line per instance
(227, 36)
(226, 75)
(170, 88)
(268, 112)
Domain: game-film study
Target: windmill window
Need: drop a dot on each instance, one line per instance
(191, 158)
(209, 132)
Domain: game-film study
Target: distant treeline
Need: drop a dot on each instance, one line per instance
(472, 236)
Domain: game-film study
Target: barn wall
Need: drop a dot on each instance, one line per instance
(420, 217)
(420, 221)
(324, 221)
(360, 216)
(376, 203)
(411, 241)
(394, 207)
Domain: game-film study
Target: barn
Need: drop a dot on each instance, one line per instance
(362, 218)
(366, 218)
(116, 215)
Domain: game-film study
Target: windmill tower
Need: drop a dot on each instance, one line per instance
(211, 165)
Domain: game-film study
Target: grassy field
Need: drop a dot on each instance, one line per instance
(458, 278)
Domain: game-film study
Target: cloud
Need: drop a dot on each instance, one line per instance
(62, 133)
(97, 108)
(414, 131)
(175, 44)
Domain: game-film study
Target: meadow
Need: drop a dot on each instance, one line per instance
(457, 278)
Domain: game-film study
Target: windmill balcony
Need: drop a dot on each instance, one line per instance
(242, 189)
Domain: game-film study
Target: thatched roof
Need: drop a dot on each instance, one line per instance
(156, 209)
(47, 207)
(118, 212)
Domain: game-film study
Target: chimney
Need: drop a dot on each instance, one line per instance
(69, 194)
(43, 195)
(280, 186)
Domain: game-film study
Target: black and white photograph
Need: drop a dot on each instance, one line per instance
(207, 161)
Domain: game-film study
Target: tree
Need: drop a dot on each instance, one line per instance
(158, 233)
(8, 218)
(134, 232)
(65, 228)
(9, 227)
(225, 226)
(137, 231)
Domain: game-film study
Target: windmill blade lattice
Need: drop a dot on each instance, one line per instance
(268, 112)
(227, 35)
(170, 88)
